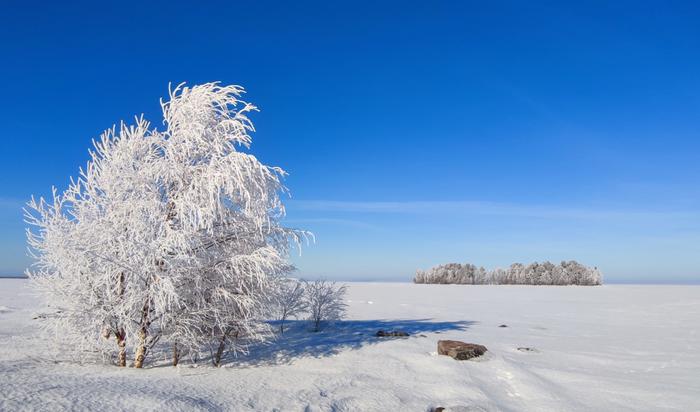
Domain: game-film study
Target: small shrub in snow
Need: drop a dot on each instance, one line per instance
(288, 300)
(325, 301)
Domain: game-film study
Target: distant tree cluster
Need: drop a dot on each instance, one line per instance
(546, 273)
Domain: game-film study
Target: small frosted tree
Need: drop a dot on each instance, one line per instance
(288, 300)
(167, 236)
(325, 302)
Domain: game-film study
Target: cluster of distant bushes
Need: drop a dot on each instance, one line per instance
(546, 273)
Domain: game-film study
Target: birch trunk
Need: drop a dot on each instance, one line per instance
(141, 350)
(176, 354)
(121, 343)
(220, 352)
(222, 346)
(143, 336)
(120, 335)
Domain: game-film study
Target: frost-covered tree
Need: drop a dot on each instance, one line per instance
(325, 301)
(514, 275)
(169, 236)
(288, 300)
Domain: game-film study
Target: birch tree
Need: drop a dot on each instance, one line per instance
(325, 302)
(288, 300)
(167, 236)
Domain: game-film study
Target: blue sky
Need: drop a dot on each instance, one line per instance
(415, 133)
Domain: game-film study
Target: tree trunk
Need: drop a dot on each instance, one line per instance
(222, 346)
(220, 352)
(141, 350)
(176, 354)
(143, 336)
(121, 343)
(121, 334)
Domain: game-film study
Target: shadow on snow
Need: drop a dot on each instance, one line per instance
(299, 341)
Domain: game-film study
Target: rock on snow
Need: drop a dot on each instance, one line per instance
(460, 350)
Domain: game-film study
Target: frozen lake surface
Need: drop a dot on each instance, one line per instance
(607, 348)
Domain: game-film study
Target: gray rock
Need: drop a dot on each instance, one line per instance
(460, 350)
(391, 333)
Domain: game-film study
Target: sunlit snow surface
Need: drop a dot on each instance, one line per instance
(608, 348)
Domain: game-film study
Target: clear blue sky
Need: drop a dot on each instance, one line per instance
(415, 133)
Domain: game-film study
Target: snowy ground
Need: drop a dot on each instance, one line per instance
(603, 348)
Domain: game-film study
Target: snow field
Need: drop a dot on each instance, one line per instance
(613, 348)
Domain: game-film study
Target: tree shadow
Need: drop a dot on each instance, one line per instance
(298, 339)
